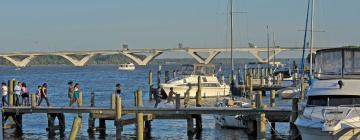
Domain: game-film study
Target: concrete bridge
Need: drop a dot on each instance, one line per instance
(22, 59)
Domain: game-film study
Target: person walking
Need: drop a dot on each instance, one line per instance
(43, 95)
(70, 90)
(38, 93)
(171, 96)
(25, 95)
(17, 90)
(4, 93)
(76, 94)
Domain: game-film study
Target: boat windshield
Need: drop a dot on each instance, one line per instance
(337, 63)
(333, 100)
(198, 69)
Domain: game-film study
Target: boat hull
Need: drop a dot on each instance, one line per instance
(205, 91)
(127, 68)
(229, 121)
(308, 133)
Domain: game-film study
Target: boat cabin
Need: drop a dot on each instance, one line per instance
(198, 69)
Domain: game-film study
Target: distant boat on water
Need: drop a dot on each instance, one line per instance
(127, 66)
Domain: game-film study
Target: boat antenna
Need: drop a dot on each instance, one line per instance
(305, 35)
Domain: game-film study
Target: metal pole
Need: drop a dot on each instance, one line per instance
(268, 45)
(231, 39)
(312, 38)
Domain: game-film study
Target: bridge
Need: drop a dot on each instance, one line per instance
(22, 59)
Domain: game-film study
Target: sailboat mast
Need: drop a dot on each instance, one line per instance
(312, 37)
(231, 39)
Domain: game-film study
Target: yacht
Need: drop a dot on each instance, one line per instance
(127, 66)
(187, 82)
(332, 106)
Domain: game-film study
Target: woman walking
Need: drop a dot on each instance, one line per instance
(17, 90)
(70, 92)
(43, 94)
(76, 94)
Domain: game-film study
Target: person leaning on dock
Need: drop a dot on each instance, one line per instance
(70, 90)
(17, 90)
(4, 93)
(43, 95)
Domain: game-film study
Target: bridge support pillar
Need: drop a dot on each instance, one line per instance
(256, 54)
(139, 61)
(17, 61)
(202, 60)
(79, 62)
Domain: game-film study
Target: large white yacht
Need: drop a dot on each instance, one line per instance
(188, 81)
(332, 109)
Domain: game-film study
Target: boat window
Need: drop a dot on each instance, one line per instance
(333, 100)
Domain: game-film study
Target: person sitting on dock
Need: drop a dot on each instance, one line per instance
(25, 95)
(4, 93)
(170, 98)
(117, 89)
(43, 95)
(17, 90)
(76, 94)
(70, 92)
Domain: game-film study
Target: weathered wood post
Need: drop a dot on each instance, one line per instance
(251, 92)
(258, 100)
(158, 77)
(91, 121)
(261, 126)
(75, 128)
(190, 125)
(151, 85)
(258, 72)
(302, 89)
(102, 127)
(245, 74)
(272, 98)
(174, 74)
(51, 124)
(166, 78)
(80, 100)
(33, 100)
(139, 117)
(198, 92)
(11, 92)
(177, 101)
(113, 101)
(294, 114)
(118, 117)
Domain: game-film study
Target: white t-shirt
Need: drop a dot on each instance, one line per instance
(4, 90)
(17, 90)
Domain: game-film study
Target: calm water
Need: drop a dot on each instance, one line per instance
(101, 79)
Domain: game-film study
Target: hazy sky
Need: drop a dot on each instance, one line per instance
(44, 25)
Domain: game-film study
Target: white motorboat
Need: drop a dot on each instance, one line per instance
(232, 121)
(127, 66)
(187, 82)
(333, 100)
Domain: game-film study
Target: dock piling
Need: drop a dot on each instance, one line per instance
(139, 116)
(295, 108)
(272, 98)
(302, 88)
(11, 92)
(75, 127)
(177, 101)
(113, 101)
(151, 85)
(261, 126)
(91, 121)
(118, 117)
(33, 100)
(198, 92)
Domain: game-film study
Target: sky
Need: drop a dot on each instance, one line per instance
(66, 25)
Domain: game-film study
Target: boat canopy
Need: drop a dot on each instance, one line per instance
(336, 63)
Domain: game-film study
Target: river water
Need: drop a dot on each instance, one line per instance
(101, 80)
